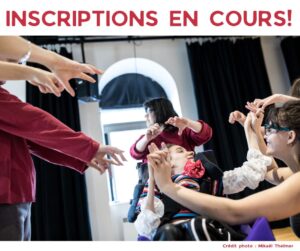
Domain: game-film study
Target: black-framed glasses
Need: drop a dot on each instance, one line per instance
(274, 128)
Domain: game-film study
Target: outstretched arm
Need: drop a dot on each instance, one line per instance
(282, 199)
(275, 98)
(45, 81)
(16, 48)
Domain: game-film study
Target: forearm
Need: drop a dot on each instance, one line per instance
(251, 138)
(56, 157)
(271, 176)
(195, 126)
(150, 196)
(13, 47)
(222, 209)
(31, 123)
(12, 71)
(142, 144)
(285, 98)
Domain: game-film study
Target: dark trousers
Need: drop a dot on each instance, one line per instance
(15, 222)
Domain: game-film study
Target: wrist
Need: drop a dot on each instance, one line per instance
(43, 56)
(167, 187)
(28, 72)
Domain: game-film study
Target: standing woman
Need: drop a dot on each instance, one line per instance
(282, 201)
(164, 125)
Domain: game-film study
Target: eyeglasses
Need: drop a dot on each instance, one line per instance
(274, 128)
(148, 111)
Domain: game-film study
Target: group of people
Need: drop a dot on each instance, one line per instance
(167, 146)
(169, 153)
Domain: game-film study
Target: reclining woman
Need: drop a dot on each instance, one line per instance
(164, 125)
(158, 210)
(282, 136)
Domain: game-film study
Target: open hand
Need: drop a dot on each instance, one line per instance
(101, 162)
(66, 69)
(153, 131)
(179, 122)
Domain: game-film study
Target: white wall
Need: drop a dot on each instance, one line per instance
(17, 88)
(106, 220)
(170, 54)
(275, 65)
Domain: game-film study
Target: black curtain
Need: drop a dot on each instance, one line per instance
(61, 209)
(291, 51)
(227, 74)
(130, 90)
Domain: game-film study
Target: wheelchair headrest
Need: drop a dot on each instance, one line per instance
(209, 161)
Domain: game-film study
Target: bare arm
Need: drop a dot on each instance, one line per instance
(40, 78)
(150, 195)
(283, 200)
(13, 47)
(275, 98)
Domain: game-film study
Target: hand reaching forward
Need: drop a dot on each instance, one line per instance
(179, 122)
(101, 162)
(66, 69)
(275, 98)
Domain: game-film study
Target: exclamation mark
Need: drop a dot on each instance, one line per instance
(289, 17)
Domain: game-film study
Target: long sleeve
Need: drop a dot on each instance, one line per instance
(250, 174)
(199, 138)
(56, 157)
(135, 153)
(31, 123)
(189, 139)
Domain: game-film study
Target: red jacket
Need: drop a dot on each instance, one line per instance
(25, 130)
(189, 139)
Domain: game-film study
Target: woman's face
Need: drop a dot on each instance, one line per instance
(150, 117)
(178, 158)
(277, 141)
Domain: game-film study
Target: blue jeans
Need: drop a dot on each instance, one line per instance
(15, 222)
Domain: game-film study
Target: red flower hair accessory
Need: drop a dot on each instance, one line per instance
(194, 169)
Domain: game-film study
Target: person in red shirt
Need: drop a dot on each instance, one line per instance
(164, 125)
(26, 130)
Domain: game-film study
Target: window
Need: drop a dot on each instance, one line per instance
(123, 178)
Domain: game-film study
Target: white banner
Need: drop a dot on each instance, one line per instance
(150, 17)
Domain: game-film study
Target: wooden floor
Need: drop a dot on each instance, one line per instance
(285, 234)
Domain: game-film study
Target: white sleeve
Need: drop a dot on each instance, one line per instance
(147, 221)
(250, 174)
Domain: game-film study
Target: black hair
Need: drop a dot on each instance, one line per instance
(163, 110)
